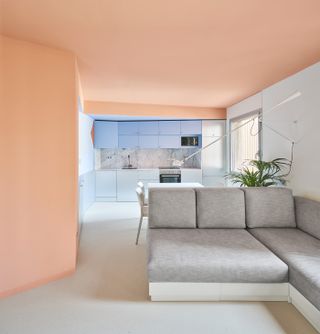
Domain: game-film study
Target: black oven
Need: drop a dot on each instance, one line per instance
(170, 178)
(190, 141)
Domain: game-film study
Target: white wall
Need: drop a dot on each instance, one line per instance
(306, 111)
(86, 149)
(250, 104)
(86, 164)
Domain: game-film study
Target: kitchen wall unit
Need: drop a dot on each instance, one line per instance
(105, 134)
(169, 142)
(128, 141)
(148, 141)
(191, 127)
(169, 127)
(213, 158)
(143, 134)
(148, 128)
(128, 128)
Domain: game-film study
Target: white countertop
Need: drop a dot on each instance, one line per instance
(115, 169)
(176, 185)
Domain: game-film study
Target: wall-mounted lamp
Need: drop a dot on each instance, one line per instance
(293, 96)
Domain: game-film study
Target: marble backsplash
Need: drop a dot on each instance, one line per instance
(145, 158)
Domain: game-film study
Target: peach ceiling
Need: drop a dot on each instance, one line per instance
(174, 52)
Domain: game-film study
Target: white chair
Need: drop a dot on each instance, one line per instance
(143, 210)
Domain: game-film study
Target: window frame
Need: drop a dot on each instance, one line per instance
(260, 136)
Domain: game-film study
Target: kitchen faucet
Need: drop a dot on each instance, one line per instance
(129, 163)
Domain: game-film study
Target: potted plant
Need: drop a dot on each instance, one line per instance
(258, 173)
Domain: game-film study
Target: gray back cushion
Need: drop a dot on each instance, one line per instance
(269, 207)
(308, 216)
(220, 208)
(172, 208)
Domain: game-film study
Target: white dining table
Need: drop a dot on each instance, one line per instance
(175, 185)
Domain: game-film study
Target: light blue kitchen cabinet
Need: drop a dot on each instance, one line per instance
(169, 127)
(105, 134)
(149, 128)
(148, 141)
(190, 127)
(128, 141)
(128, 128)
(169, 142)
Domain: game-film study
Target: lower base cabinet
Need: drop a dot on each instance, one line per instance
(126, 185)
(120, 185)
(191, 175)
(106, 185)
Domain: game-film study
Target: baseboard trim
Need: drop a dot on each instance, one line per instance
(308, 310)
(170, 291)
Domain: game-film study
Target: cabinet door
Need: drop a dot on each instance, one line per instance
(128, 141)
(128, 128)
(169, 127)
(213, 128)
(149, 128)
(148, 141)
(169, 141)
(191, 175)
(148, 174)
(127, 184)
(106, 184)
(105, 134)
(213, 158)
(191, 127)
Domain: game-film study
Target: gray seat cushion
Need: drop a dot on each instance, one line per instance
(302, 254)
(269, 207)
(211, 255)
(308, 216)
(172, 208)
(220, 208)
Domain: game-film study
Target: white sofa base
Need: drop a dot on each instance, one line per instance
(311, 313)
(169, 291)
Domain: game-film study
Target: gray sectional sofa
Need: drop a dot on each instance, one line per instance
(235, 244)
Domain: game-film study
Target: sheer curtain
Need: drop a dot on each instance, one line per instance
(245, 142)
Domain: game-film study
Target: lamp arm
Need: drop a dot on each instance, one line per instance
(289, 98)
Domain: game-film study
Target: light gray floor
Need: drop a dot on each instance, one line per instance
(108, 293)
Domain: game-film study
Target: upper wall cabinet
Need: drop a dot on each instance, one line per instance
(169, 127)
(213, 128)
(145, 134)
(148, 141)
(149, 128)
(128, 128)
(105, 134)
(190, 127)
(169, 141)
(128, 141)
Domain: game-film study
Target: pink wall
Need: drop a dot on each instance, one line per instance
(38, 179)
(133, 109)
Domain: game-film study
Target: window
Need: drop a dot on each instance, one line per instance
(244, 142)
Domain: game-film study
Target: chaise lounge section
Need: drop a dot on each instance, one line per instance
(235, 244)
